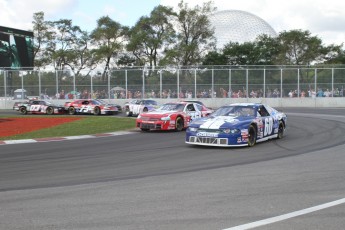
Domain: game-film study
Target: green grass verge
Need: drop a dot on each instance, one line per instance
(86, 125)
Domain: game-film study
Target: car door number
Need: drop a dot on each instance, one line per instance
(35, 108)
(194, 115)
(268, 126)
(85, 108)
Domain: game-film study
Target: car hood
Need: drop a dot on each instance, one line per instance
(220, 122)
(158, 113)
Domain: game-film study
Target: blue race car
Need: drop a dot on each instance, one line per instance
(240, 124)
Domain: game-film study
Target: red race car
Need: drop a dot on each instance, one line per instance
(170, 116)
(90, 106)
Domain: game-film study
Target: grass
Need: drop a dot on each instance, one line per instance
(86, 125)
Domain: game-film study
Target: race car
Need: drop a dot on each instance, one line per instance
(135, 107)
(240, 124)
(90, 106)
(38, 107)
(170, 116)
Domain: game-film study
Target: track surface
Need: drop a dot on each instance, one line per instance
(155, 181)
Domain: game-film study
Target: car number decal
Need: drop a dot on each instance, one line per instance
(35, 108)
(268, 126)
(85, 108)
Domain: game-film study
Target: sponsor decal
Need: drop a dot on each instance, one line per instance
(204, 134)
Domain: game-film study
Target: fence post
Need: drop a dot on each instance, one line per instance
(247, 78)
(126, 85)
(230, 90)
(264, 92)
(178, 82)
(160, 83)
(332, 82)
(39, 86)
(5, 83)
(281, 83)
(298, 82)
(194, 83)
(212, 86)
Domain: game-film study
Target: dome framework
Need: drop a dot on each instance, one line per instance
(238, 26)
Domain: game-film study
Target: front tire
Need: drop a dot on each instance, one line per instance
(179, 124)
(252, 135)
(97, 110)
(50, 110)
(129, 113)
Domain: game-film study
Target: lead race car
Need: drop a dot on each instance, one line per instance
(38, 107)
(240, 124)
(170, 116)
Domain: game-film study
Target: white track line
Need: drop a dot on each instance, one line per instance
(287, 216)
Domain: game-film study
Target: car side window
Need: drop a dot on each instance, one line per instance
(190, 107)
(263, 111)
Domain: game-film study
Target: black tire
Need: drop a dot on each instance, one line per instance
(252, 135)
(71, 111)
(97, 110)
(50, 110)
(129, 113)
(23, 110)
(280, 130)
(179, 124)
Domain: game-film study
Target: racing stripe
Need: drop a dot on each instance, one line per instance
(217, 122)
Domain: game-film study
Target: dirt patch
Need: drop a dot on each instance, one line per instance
(15, 126)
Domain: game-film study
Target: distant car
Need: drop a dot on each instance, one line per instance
(170, 116)
(90, 106)
(202, 107)
(38, 107)
(240, 124)
(137, 106)
(119, 107)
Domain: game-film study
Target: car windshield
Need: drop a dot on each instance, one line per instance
(237, 111)
(150, 102)
(172, 107)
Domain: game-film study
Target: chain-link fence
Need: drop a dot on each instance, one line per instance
(216, 82)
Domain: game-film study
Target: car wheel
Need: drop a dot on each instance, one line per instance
(50, 110)
(179, 124)
(97, 111)
(23, 110)
(280, 130)
(71, 111)
(129, 113)
(251, 136)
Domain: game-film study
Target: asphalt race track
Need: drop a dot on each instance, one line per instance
(155, 181)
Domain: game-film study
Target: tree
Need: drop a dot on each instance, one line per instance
(151, 34)
(194, 35)
(108, 37)
(43, 41)
(300, 48)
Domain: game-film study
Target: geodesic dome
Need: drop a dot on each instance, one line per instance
(238, 26)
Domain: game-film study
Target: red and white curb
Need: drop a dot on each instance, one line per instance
(48, 139)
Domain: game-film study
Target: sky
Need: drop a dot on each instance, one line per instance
(325, 19)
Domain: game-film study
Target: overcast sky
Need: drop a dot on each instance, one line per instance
(325, 19)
